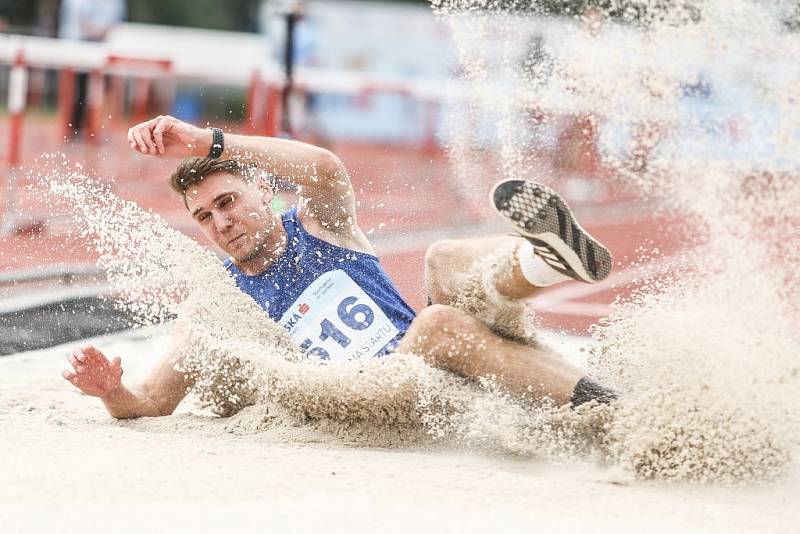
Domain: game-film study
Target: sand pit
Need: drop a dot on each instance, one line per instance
(71, 468)
(704, 438)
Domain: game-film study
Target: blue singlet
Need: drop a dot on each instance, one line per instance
(336, 303)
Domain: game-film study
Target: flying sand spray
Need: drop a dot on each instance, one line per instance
(706, 361)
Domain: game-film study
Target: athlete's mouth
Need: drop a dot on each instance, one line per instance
(236, 238)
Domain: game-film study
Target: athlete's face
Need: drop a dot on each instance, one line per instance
(235, 215)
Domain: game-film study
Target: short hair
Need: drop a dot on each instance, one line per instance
(193, 170)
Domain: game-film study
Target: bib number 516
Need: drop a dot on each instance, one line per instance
(353, 316)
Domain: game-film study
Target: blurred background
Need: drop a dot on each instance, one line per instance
(381, 83)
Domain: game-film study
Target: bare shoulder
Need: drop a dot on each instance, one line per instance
(349, 235)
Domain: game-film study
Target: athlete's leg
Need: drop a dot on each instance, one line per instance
(478, 276)
(454, 340)
(552, 247)
(447, 261)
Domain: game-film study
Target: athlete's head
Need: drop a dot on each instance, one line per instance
(231, 203)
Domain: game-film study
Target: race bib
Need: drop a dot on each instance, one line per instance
(334, 319)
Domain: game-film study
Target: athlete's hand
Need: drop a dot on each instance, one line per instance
(170, 137)
(94, 374)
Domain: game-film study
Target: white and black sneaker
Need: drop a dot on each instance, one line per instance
(543, 218)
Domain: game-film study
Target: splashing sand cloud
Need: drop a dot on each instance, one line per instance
(707, 361)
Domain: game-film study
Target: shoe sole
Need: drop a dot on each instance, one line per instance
(543, 218)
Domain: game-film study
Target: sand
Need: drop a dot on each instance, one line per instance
(71, 468)
(704, 438)
(699, 121)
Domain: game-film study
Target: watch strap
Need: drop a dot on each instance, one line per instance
(217, 143)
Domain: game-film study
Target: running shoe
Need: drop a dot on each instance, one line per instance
(542, 217)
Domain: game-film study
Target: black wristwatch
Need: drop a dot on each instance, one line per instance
(217, 143)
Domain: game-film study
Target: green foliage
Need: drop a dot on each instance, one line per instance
(232, 15)
(18, 14)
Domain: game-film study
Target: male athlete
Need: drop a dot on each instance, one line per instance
(313, 270)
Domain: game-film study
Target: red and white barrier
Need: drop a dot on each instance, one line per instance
(263, 111)
(17, 95)
(263, 78)
(66, 97)
(143, 71)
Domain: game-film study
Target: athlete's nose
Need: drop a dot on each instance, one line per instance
(221, 221)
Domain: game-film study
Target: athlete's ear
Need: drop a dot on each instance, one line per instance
(266, 189)
(264, 184)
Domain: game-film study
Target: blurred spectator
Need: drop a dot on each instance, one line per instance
(87, 20)
(46, 18)
(293, 36)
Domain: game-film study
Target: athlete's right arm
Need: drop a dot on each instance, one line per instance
(159, 394)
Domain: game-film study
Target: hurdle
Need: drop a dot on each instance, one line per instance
(263, 110)
(17, 92)
(142, 71)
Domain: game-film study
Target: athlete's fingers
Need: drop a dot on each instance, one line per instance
(143, 134)
(140, 144)
(77, 352)
(133, 137)
(147, 136)
(92, 351)
(79, 382)
(78, 366)
(89, 360)
(158, 133)
(94, 356)
(72, 379)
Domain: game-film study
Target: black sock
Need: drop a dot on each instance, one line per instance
(587, 390)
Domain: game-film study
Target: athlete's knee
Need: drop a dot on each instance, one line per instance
(438, 318)
(435, 327)
(440, 255)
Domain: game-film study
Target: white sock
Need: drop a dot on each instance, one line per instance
(535, 269)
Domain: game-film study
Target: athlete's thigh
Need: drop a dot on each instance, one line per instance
(459, 255)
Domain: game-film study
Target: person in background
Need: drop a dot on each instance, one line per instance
(91, 21)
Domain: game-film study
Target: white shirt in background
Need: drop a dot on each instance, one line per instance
(98, 13)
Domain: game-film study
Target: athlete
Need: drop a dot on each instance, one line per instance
(313, 270)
